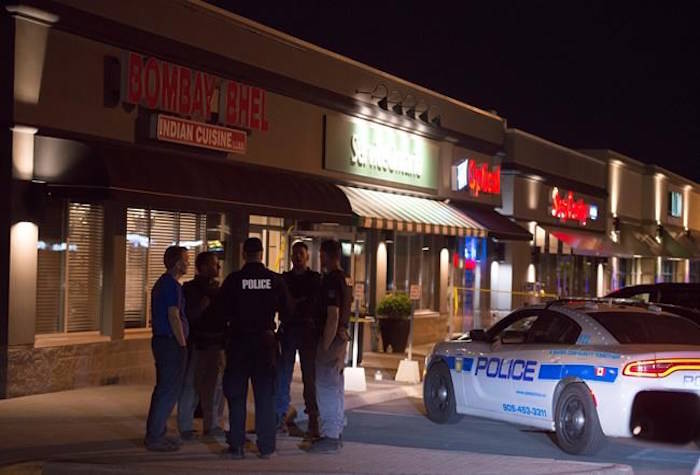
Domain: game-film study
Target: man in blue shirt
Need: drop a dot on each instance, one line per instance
(169, 345)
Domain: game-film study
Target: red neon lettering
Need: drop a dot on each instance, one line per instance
(264, 125)
(231, 102)
(168, 97)
(198, 95)
(134, 85)
(208, 94)
(244, 106)
(255, 108)
(568, 208)
(481, 180)
(185, 105)
(152, 83)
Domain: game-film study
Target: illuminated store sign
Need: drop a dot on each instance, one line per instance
(371, 150)
(567, 208)
(167, 87)
(477, 177)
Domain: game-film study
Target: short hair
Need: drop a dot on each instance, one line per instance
(301, 244)
(202, 257)
(172, 255)
(331, 248)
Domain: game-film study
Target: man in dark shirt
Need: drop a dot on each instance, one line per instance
(208, 341)
(330, 360)
(247, 302)
(169, 345)
(299, 330)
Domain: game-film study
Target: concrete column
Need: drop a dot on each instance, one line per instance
(380, 282)
(23, 264)
(114, 271)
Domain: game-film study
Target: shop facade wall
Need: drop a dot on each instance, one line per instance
(536, 153)
(238, 39)
(694, 215)
(58, 368)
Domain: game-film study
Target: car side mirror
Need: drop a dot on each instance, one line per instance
(512, 337)
(477, 335)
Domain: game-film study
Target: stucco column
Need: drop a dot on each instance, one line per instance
(114, 271)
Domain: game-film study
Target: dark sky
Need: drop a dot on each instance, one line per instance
(596, 74)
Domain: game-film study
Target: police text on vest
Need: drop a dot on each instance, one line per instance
(256, 284)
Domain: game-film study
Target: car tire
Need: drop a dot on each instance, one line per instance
(577, 428)
(439, 395)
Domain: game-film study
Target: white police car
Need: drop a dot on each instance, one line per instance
(583, 369)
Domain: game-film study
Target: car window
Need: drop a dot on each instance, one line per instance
(554, 329)
(642, 297)
(682, 298)
(520, 322)
(632, 327)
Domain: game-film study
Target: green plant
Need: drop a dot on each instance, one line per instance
(395, 306)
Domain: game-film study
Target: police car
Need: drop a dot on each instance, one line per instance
(582, 369)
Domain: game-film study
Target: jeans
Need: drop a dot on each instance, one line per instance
(188, 399)
(208, 381)
(330, 390)
(304, 339)
(170, 360)
(248, 359)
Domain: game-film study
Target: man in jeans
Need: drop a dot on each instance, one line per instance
(299, 331)
(330, 360)
(169, 344)
(208, 340)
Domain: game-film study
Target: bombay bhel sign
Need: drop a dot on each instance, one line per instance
(198, 134)
(195, 96)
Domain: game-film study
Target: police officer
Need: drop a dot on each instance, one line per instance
(248, 301)
(336, 299)
(299, 331)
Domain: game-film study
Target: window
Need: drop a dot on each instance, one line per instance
(633, 328)
(542, 327)
(413, 259)
(69, 272)
(675, 204)
(669, 269)
(270, 230)
(148, 234)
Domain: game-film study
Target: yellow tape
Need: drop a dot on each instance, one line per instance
(522, 293)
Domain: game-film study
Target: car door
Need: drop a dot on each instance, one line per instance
(549, 340)
(487, 385)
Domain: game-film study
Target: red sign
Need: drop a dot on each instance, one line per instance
(566, 208)
(483, 180)
(187, 92)
(198, 134)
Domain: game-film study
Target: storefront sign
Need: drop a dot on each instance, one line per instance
(567, 208)
(414, 292)
(371, 150)
(159, 85)
(198, 134)
(477, 177)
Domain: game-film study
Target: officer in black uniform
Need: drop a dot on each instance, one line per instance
(248, 301)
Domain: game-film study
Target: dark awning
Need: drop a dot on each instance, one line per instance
(636, 242)
(143, 175)
(499, 227)
(586, 243)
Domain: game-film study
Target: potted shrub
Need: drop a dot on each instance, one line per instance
(393, 314)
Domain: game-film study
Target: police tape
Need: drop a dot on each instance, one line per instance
(363, 320)
(525, 293)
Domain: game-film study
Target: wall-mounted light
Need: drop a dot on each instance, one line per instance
(659, 233)
(381, 92)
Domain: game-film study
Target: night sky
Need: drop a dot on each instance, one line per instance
(585, 74)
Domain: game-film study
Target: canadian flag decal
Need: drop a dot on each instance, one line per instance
(600, 371)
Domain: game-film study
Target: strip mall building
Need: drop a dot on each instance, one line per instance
(131, 126)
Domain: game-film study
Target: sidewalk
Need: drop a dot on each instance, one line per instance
(100, 430)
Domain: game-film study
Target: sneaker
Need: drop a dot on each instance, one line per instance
(162, 445)
(325, 445)
(236, 453)
(188, 435)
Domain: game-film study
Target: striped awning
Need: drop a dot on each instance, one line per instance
(381, 210)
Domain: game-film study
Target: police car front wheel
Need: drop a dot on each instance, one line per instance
(577, 426)
(439, 395)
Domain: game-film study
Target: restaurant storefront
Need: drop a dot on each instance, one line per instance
(126, 139)
(560, 196)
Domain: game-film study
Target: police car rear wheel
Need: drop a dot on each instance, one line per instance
(577, 426)
(439, 395)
